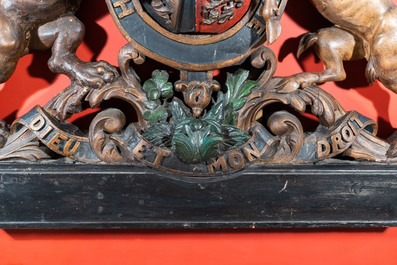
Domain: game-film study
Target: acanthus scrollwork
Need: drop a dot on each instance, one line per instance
(213, 130)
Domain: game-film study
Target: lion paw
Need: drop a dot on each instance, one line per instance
(295, 82)
(95, 74)
(87, 74)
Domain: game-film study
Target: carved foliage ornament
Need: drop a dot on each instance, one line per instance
(194, 126)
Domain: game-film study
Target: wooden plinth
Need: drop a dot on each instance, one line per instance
(67, 195)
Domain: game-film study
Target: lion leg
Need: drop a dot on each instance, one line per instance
(333, 46)
(383, 62)
(65, 35)
(13, 45)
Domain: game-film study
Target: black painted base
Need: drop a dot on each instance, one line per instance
(71, 195)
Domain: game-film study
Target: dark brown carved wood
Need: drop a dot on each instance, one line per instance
(197, 93)
(197, 126)
(35, 24)
(194, 137)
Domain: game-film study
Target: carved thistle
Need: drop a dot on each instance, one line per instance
(197, 125)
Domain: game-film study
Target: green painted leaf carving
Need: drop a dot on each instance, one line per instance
(154, 94)
(160, 115)
(210, 147)
(146, 115)
(149, 85)
(238, 104)
(160, 77)
(194, 146)
(158, 86)
(184, 148)
(179, 111)
(167, 90)
(233, 136)
(238, 87)
(160, 134)
(214, 125)
(151, 105)
(231, 118)
(216, 113)
(197, 125)
(234, 84)
(196, 140)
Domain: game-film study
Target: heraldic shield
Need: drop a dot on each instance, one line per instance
(190, 16)
(194, 35)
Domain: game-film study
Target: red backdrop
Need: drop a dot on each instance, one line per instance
(34, 84)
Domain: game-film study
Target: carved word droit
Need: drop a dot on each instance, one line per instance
(341, 138)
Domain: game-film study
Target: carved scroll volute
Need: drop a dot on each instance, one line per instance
(290, 131)
(101, 135)
(265, 59)
(126, 55)
(321, 104)
(127, 87)
(197, 94)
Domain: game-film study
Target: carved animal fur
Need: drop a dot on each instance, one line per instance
(363, 29)
(44, 24)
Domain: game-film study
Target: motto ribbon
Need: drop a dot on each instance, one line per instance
(67, 140)
(329, 142)
(62, 138)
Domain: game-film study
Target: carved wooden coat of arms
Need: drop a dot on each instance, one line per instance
(194, 124)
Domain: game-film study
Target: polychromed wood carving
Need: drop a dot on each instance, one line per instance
(197, 125)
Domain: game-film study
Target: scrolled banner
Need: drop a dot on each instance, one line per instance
(67, 140)
(329, 142)
(63, 138)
